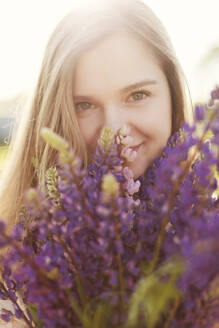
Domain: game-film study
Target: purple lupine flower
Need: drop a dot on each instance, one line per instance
(200, 112)
(92, 251)
(214, 96)
(132, 186)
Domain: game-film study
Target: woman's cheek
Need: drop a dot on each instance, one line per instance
(90, 134)
(85, 129)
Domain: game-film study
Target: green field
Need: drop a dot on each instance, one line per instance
(3, 154)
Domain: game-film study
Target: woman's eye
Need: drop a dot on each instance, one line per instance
(139, 95)
(82, 106)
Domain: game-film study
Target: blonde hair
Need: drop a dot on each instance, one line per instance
(52, 106)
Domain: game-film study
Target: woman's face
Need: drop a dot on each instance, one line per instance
(118, 82)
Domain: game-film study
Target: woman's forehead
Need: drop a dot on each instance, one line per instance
(119, 58)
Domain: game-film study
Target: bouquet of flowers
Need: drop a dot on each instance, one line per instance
(100, 249)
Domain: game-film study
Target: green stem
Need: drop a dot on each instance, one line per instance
(172, 312)
(74, 305)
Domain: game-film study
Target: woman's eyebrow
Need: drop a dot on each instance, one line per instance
(138, 84)
(126, 89)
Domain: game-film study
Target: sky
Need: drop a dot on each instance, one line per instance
(25, 26)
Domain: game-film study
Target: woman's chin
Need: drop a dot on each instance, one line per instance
(137, 171)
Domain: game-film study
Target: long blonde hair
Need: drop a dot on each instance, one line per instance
(52, 106)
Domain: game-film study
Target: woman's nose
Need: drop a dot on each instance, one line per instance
(113, 117)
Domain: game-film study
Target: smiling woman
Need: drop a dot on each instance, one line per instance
(109, 63)
(113, 98)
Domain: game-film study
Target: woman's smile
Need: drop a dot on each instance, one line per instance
(136, 148)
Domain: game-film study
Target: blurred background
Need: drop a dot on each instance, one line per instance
(26, 25)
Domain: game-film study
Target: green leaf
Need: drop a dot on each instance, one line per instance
(74, 304)
(33, 310)
(154, 295)
(102, 315)
(81, 291)
(97, 313)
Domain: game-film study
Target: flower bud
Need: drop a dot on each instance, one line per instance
(54, 140)
(200, 112)
(129, 154)
(106, 137)
(31, 194)
(53, 274)
(125, 130)
(128, 174)
(128, 141)
(110, 185)
(132, 186)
